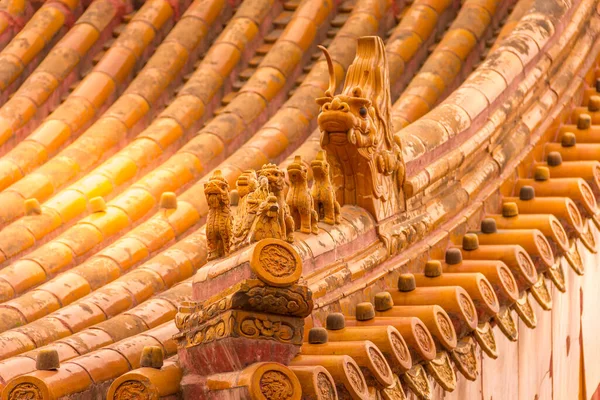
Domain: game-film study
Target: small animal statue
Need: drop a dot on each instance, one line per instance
(327, 207)
(246, 184)
(218, 222)
(299, 199)
(276, 179)
(267, 222)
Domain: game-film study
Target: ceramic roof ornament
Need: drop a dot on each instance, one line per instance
(356, 131)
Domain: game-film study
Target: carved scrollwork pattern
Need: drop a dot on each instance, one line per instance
(134, 390)
(417, 382)
(467, 306)
(507, 325)
(277, 260)
(525, 311)
(422, 338)
(465, 358)
(541, 293)
(542, 244)
(325, 387)
(526, 263)
(276, 385)
(25, 391)
(445, 327)
(508, 279)
(282, 301)
(557, 276)
(485, 337)
(355, 377)
(379, 362)
(257, 327)
(442, 372)
(399, 346)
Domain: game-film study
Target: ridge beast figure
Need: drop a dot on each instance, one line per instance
(218, 221)
(356, 131)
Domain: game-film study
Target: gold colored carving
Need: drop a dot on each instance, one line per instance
(258, 327)
(442, 371)
(379, 362)
(422, 338)
(541, 293)
(596, 220)
(267, 222)
(507, 325)
(508, 279)
(300, 200)
(277, 260)
(356, 131)
(355, 378)
(574, 259)
(557, 276)
(485, 337)
(279, 301)
(587, 238)
(134, 390)
(487, 292)
(417, 382)
(399, 347)
(25, 391)
(325, 387)
(559, 231)
(247, 206)
(542, 244)
(574, 212)
(465, 358)
(524, 310)
(276, 385)
(276, 263)
(526, 263)
(467, 306)
(588, 195)
(327, 207)
(394, 392)
(276, 179)
(446, 327)
(218, 221)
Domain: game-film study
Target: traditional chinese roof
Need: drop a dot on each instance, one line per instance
(462, 263)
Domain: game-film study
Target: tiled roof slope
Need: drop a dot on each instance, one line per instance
(114, 114)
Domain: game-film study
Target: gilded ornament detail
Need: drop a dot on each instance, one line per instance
(442, 371)
(134, 390)
(325, 203)
(326, 389)
(417, 382)
(276, 385)
(25, 391)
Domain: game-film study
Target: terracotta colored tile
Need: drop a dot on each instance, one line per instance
(68, 204)
(23, 274)
(154, 312)
(68, 287)
(129, 109)
(15, 366)
(245, 31)
(103, 365)
(142, 284)
(111, 300)
(35, 304)
(80, 238)
(14, 343)
(117, 64)
(11, 318)
(136, 202)
(108, 223)
(88, 340)
(172, 266)
(119, 169)
(126, 252)
(45, 331)
(80, 316)
(158, 181)
(80, 37)
(99, 14)
(122, 327)
(154, 233)
(17, 238)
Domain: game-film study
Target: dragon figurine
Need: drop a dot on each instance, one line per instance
(364, 154)
(218, 221)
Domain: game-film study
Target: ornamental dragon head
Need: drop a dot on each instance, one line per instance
(356, 131)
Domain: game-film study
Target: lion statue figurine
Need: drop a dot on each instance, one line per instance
(299, 199)
(218, 222)
(276, 179)
(325, 204)
(266, 224)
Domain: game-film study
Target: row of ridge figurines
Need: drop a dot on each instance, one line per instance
(263, 211)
